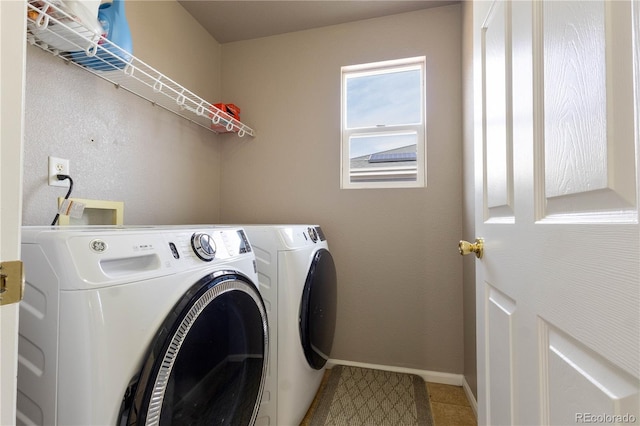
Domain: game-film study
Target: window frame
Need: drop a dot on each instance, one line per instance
(370, 178)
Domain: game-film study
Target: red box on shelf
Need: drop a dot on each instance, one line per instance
(230, 109)
(226, 112)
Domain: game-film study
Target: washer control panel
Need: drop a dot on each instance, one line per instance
(112, 255)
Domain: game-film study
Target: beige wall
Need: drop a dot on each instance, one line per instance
(120, 147)
(172, 41)
(400, 276)
(401, 297)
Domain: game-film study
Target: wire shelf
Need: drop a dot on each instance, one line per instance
(53, 27)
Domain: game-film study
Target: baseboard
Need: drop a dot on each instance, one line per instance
(428, 376)
(470, 396)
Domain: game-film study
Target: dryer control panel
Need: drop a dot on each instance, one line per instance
(299, 235)
(315, 234)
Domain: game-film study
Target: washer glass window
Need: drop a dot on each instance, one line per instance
(208, 361)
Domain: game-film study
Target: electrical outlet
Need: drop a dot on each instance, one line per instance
(58, 166)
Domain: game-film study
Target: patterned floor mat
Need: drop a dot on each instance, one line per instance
(360, 396)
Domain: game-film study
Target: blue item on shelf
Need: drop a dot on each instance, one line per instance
(108, 57)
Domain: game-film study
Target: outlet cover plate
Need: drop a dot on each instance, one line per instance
(58, 166)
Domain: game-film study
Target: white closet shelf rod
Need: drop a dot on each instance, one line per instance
(51, 26)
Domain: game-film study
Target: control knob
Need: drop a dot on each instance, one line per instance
(313, 234)
(204, 246)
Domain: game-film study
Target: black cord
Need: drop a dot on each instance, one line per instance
(66, 197)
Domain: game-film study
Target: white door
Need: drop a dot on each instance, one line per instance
(556, 171)
(12, 57)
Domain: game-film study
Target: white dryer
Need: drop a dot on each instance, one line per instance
(297, 280)
(133, 326)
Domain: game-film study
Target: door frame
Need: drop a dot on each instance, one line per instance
(12, 71)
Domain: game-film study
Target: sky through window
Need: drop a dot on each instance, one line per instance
(383, 99)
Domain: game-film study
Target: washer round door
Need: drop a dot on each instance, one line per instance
(207, 362)
(318, 309)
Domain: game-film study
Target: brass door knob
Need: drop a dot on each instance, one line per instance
(465, 247)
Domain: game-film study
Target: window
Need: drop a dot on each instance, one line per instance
(383, 125)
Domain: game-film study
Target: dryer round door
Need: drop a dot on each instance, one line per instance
(318, 309)
(207, 362)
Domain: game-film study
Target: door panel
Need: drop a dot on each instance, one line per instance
(584, 57)
(496, 49)
(500, 315)
(575, 123)
(569, 366)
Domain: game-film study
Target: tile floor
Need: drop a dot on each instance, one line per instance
(450, 406)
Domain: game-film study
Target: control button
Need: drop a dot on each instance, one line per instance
(313, 234)
(174, 251)
(203, 246)
(245, 247)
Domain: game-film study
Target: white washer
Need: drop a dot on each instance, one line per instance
(115, 318)
(298, 283)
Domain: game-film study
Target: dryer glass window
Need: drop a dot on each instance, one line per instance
(318, 309)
